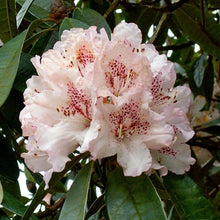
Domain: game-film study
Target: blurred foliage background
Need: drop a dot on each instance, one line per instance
(188, 33)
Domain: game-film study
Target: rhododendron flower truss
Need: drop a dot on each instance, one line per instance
(110, 97)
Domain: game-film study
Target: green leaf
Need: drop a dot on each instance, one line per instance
(41, 192)
(25, 71)
(69, 23)
(143, 17)
(7, 20)
(132, 197)
(199, 69)
(76, 200)
(1, 193)
(92, 17)
(10, 56)
(189, 19)
(8, 162)
(11, 187)
(39, 9)
(208, 81)
(187, 198)
(12, 204)
(96, 206)
(3, 216)
(23, 11)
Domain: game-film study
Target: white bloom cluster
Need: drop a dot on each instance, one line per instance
(110, 97)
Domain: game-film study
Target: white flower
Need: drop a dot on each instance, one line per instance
(111, 97)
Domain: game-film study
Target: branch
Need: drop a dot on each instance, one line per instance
(159, 28)
(168, 7)
(175, 47)
(50, 209)
(111, 8)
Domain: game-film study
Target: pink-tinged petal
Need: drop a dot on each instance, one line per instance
(66, 135)
(182, 97)
(36, 159)
(177, 118)
(177, 159)
(117, 124)
(120, 69)
(127, 33)
(156, 165)
(99, 141)
(134, 158)
(160, 66)
(47, 177)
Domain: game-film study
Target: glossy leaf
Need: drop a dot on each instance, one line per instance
(199, 70)
(12, 187)
(7, 20)
(91, 17)
(187, 198)
(132, 198)
(76, 200)
(41, 192)
(10, 56)
(208, 81)
(69, 23)
(189, 19)
(23, 11)
(39, 9)
(25, 71)
(1, 193)
(12, 204)
(8, 162)
(96, 205)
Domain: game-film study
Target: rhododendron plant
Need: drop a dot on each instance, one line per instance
(109, 109)
(108, 97)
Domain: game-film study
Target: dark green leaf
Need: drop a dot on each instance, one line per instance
(8, 162)
(25, 71)
(92, 17)
(11, 187)
(23, 11)
(96, 205)
(12, 204)
(76, 200)
(3, 216)
(39, 9)
(132, 198)
(215, 4)
(208, 81)
(7, 20)
(199, 69)
(189, 19)
(10, 57)
(41, 192)
(14, 102)
(33, 39)
(143, 17)
(187, 198)
(69, 23)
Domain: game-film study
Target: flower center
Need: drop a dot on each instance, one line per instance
(78, 102)
(127, 121)
(119, 77)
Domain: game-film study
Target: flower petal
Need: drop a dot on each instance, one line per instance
(134, 158)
